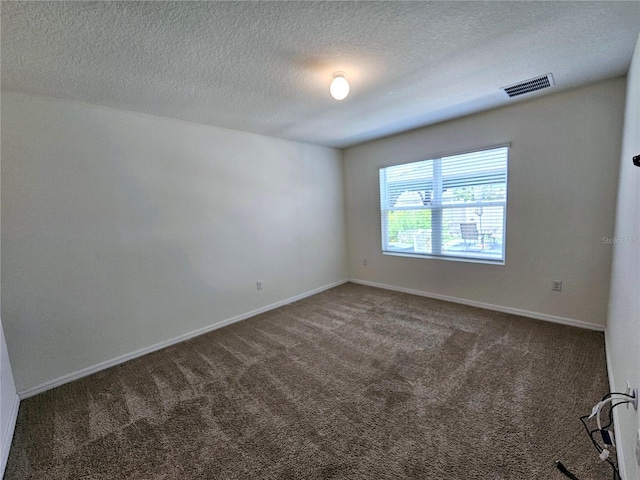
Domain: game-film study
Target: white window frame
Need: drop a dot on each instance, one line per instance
(436, 184)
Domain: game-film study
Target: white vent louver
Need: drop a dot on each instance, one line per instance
(530, 85)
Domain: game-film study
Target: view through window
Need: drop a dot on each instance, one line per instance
(453, 206)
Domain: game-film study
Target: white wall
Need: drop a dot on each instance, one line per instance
(8, 403)
(563, 171)
(123, 230)
(623, 327)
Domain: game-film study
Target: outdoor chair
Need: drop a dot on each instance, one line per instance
(469, 233)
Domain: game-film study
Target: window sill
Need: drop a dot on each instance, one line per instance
(486, 261)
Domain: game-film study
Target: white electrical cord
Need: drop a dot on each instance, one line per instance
(615, 399)
(604, 454)
(598, 407)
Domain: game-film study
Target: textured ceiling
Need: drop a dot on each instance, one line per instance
(265, 67)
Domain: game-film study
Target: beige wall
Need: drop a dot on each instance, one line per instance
(9, 402)
(563, 171)
(623, 328)
(123, 230)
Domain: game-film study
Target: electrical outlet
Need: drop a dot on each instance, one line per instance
(634, 393)
(556, 285)
(259, 285)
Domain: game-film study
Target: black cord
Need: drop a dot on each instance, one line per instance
(564, 470)
(610, 394)
(599, 449)
(616, 473)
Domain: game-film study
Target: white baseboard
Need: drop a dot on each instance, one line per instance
(158, 346)
(487, 306)
(130, 356)
(7, 435)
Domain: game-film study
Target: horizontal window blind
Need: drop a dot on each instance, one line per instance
(453, 206)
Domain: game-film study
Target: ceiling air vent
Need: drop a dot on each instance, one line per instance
(528, 86)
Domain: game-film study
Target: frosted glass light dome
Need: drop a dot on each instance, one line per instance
(339, 87)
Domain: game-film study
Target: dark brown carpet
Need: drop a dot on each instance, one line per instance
(353, 383)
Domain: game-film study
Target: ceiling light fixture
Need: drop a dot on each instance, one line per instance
(339, 87)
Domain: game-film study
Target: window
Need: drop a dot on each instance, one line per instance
(451, 207)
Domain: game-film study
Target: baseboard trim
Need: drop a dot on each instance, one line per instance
(616, 420)
(487, 306)
(7, 435)
(30, 392)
